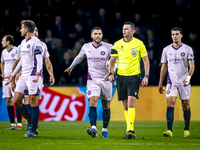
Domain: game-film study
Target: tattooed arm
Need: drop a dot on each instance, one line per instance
(49, 68)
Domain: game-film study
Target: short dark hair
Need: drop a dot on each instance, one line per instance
(10, 38)
(177, 28)
(96, 28)
(28, 24)
(131, 24)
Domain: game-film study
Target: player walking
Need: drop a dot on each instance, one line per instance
(176, 58)
(31, 64)
(97, 53)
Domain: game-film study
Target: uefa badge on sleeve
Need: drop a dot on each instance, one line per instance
(134, 53)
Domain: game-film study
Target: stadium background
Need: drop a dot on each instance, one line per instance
(65, 26)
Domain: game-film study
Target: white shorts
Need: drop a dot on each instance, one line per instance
(99, 88)
(41, 86)
(6, 90)
(184, 91)
(25, 85)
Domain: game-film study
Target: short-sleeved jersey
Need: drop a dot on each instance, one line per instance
(28, 58)
(8, 58)
(177, 60)
(96, 59)
(45, 52)
(129, 55)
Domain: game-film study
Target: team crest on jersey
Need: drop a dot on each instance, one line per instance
(134, 53)
(28, 45)
(12, 55)
(182, 54)
(102, 53)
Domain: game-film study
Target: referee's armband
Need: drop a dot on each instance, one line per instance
(113, 51)
(38, 50)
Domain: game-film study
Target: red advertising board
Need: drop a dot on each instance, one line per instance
(62, 104)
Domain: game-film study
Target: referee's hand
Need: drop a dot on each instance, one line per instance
(144, 82)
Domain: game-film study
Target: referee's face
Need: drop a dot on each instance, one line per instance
(97, 36)
(127, 31)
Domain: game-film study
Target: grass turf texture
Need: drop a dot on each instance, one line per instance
(72, 135)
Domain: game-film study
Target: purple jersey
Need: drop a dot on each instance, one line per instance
(177, 60)
(96, 59)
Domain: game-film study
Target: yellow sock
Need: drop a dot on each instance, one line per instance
(125, 114)
(130, 119)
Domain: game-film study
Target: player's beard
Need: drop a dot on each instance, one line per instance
(97, 41)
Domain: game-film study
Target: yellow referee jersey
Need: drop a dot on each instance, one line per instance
(129, 55)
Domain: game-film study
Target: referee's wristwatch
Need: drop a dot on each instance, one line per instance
(110, 73)
(147, 75)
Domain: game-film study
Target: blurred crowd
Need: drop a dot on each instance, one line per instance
(65, 25)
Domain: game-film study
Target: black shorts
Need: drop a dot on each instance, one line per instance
(128, 86)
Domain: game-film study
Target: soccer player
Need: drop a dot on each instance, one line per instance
(176, 58)
(7, 61)
(31, 65)
(97, 53)
(49, 67)
(129, 52)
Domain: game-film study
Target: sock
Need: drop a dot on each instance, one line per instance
(125, 114)
(106, 117)
(35, 117)
(28, 106)
(93, 116)
(187, 115)
(11, 114)
(170, 117)
(130, 119)
(104, 129)
(19, 116)
(24, 111)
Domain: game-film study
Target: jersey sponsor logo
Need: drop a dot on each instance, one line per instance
(134, 53)
(176, 60)
(96, 59)
(57, 106)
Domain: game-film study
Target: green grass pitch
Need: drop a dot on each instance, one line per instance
(72, 135)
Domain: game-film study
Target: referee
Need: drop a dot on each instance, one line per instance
(129, 52)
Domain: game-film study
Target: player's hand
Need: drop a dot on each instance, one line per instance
(13, 85)
(68, 70)
(106, 78)
(145, 81)
(111, 78)
(52, 80)
(160, 89)
(10, 77)
(186, 81)
(3, 75)
(36, 77)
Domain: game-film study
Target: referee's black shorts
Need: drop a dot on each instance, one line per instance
(128, 86)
